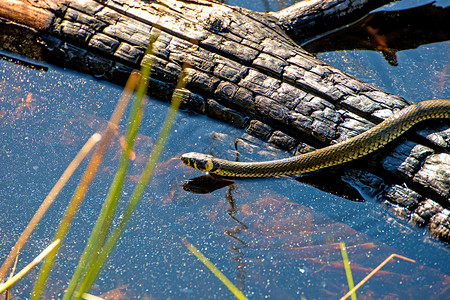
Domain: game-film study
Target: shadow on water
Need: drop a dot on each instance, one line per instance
(272, 237)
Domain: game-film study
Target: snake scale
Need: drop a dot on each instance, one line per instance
(351, 149)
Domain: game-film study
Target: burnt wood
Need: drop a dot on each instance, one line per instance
(246, 68)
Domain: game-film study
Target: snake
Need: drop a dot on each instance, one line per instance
(336, 154)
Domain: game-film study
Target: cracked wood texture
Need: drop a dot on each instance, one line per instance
(246, 68)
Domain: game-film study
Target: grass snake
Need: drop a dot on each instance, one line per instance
(348, 150)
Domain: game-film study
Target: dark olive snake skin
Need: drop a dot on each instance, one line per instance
(349, 150)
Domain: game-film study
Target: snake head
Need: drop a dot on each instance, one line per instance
(199, 161)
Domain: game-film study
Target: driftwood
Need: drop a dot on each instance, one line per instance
(247, 69)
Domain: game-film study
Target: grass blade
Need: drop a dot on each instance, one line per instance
(214, 270)
(104, 220)
(136, 196)
(373, 272)
(48, 202)
(79, 196)
(10, 282)
(348, 270)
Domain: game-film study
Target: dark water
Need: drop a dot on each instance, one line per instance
(273, 238)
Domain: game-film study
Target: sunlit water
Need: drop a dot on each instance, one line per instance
(281, 239)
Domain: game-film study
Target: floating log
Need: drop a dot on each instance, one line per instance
(246, 68)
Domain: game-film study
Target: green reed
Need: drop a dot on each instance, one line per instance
(104, 236)
(104, 222)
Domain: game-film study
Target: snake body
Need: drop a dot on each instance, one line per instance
(351, 149)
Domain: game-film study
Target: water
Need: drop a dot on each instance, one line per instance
(273, 238)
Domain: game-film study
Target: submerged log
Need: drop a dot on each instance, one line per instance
(247, 69)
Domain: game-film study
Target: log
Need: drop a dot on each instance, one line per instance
(246, 68)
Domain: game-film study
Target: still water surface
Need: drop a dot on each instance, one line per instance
(274, 238)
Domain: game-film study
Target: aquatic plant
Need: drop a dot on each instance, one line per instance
(104, 236)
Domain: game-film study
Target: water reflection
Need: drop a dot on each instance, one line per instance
(273, 238)
(205, 184)
(238, 247)
(389, 32)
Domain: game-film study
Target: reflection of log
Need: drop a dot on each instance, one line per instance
(389, 32)
(310, 18)
(243, 69)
